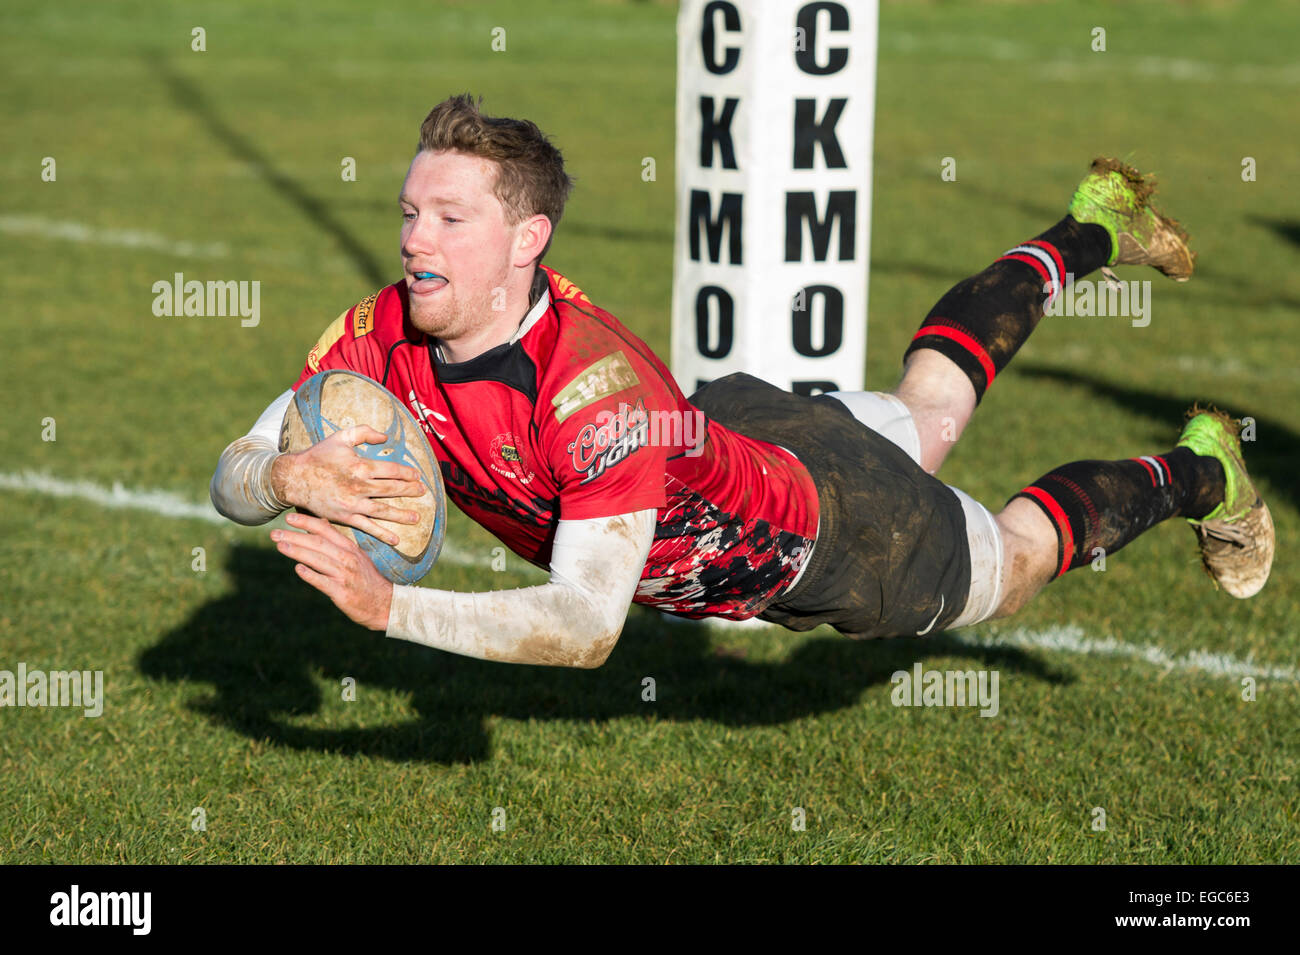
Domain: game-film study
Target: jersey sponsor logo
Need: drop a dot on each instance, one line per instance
(609, 375)
(508, 459)
(363, 318)
(608, 442)
(421, 413)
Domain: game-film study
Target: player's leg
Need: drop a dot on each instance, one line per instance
(1060, 521)
(975, 329)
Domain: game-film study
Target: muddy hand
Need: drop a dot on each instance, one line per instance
(332, 481)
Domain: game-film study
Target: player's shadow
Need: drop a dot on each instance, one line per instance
(269, 661)
(1272, 456)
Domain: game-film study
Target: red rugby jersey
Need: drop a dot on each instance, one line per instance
(579, 419)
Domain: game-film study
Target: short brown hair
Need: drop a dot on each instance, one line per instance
(530, 171)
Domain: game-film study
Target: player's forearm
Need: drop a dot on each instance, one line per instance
(242, 487)
(551, 625)
(573, 621)
(249, 484)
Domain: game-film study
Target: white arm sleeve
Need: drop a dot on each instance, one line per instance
(574, 620)
(241, 486)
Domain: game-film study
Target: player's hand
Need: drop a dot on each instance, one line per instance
(334, 482)
(334, 564)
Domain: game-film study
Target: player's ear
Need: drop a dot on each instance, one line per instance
(531, 239)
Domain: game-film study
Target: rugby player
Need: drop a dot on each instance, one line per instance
(549, 421)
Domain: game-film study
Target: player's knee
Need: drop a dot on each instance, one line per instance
(1017, 586)
(1028, 559)
(941, 404)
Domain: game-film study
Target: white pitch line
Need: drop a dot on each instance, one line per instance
(125, 238)
(1071, 639)
(1067, 639)
(166, 504)
(1073, 67)
(158, 502)
(81, 233)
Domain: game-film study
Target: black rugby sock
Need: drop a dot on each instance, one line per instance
(1106, 504)
(982, 321)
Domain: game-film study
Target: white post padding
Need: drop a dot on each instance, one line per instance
(775, 107)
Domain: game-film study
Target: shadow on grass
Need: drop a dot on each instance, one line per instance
(188, 97)
(1271, 457)
(261, 650)
(1288, 230)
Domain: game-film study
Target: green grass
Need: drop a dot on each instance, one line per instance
(223, 687)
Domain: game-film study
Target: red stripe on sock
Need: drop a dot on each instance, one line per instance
(966, 342)
(1062, 523)
(1150, 471)
(1054, 252)
(1169, 475)
(1039, 267)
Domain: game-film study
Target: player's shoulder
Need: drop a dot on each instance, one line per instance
(581, 325)
(378, 319)
(593, 355)
(578, 316)
(565, 291)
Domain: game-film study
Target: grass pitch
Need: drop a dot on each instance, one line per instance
(223, 686)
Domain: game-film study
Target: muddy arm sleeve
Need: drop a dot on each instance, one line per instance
(574, 620)
(241, 486)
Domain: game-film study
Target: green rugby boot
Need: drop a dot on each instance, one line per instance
(1117, 197)
(1236, 538)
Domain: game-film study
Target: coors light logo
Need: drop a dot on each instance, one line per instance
(611, 439)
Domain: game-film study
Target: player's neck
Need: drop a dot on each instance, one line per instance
(470, 346)
(497, 331)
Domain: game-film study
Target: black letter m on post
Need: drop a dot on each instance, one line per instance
(729, 215)
(843, 205)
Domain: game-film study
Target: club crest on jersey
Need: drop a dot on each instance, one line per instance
(611, 439)
(508, 459)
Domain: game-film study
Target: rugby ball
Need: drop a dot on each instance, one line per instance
(336, 400)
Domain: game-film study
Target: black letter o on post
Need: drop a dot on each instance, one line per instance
(832, 321)
(726, 321)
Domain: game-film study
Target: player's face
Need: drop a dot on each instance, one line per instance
(457, 247)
